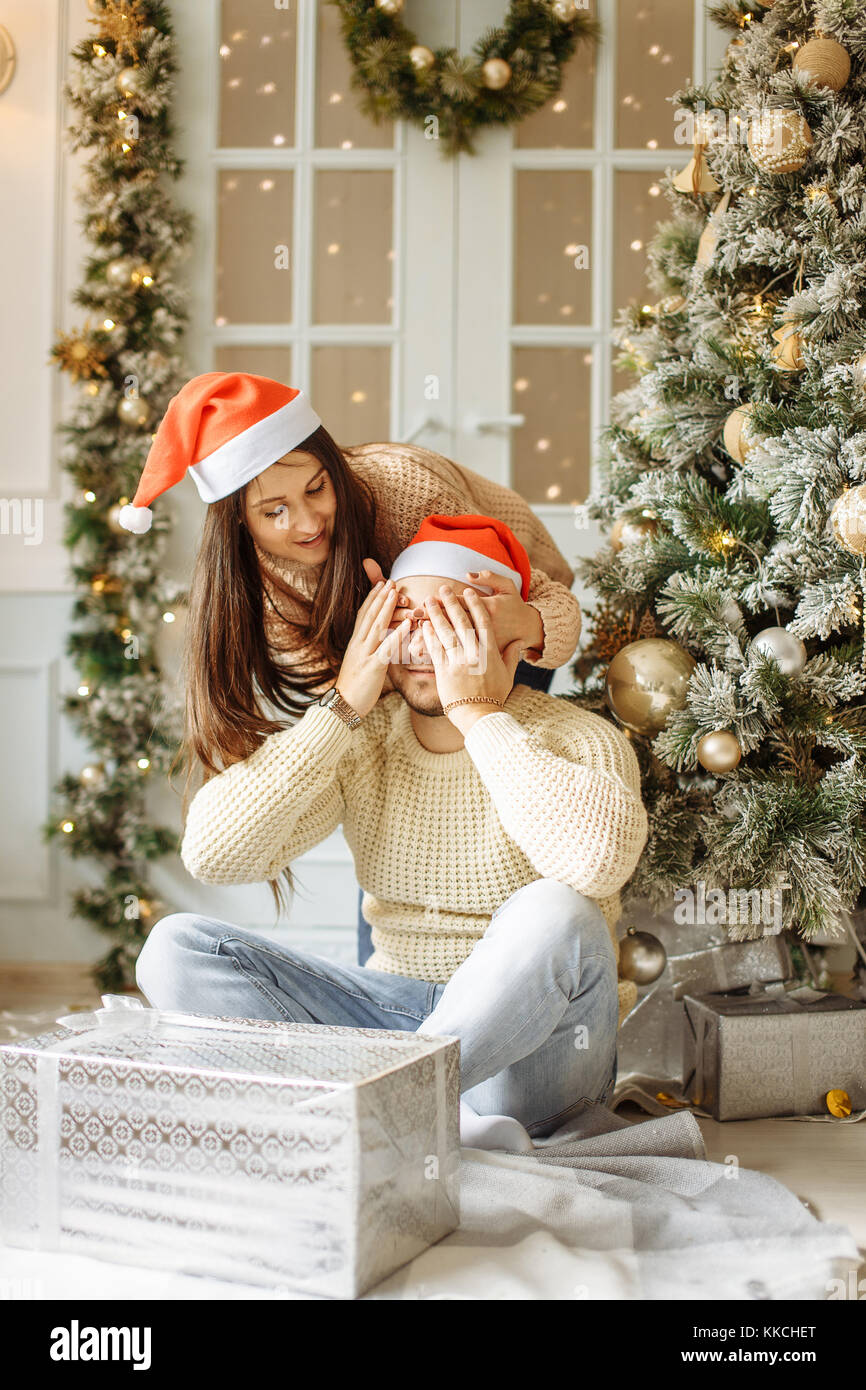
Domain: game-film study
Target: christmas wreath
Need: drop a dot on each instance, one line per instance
(511, 72)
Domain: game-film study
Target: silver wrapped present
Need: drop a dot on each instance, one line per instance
(303, 1158)
(749, 1056)
(650, 1041)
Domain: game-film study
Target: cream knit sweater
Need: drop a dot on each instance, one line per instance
(408, 483)
(439, 840)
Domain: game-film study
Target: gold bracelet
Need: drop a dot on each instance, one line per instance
(473, 700)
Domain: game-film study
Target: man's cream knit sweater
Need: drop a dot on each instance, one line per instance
(542, 789)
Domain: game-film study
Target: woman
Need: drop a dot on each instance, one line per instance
(297, 531)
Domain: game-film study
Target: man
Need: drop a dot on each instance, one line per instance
(491, 827)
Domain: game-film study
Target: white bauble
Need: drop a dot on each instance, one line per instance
(786, 649)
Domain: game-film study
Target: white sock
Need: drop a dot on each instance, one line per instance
(492, 1131)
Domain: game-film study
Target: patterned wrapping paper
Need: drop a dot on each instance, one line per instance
(309, 1158)
(751, 1056)
(650, 1041)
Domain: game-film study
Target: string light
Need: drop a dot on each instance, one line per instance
(99, 50)
(108, 324)
(84, 690)
(67, 827)
(168, 617)
(144, 763)
(90, 496)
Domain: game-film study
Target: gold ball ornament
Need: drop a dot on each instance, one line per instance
(848, 519)
(564, 10)
(719, 751)
(389, 6)
(118, 273)
(92, 775)
(785, 649)
(134, 411)
(112, 518)
(860, 372)
(130, 81)
(646, 681)
(496, 74)
(780, 140)
(421, 57)
(739, 435)
(627, 530)
(642, 957)
(838, 1102)
(825, 62)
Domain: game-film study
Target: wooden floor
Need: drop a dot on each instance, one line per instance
(822, 1163)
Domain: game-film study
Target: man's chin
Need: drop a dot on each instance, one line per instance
(417, 685)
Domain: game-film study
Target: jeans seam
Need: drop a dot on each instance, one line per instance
(385, 1008)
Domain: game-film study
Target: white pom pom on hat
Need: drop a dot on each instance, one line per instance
(223, 428)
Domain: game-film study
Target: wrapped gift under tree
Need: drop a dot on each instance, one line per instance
(309, 1158)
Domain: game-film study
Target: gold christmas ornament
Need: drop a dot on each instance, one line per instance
(848, 519)
(646, 681)
(92, 775)
(780, 140)
(825, 62)
(112, 519)
(860, 372)
(389, 6)
(118, 273)
(788, 352)
(134, 411)
(496, 74)
(421, 57)
(642, 957)
(671, 304)
(130, 81)
(626, 530)
(838, 1102)
(565, 10)
(710, 235)
(719, 751)
(786, 649)
(739, 435)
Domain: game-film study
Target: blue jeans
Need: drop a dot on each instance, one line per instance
(535, 1004)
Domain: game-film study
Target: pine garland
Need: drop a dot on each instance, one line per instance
(444, 91)
(126, 363)
(745, 540)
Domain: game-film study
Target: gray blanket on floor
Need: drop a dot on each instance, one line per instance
(608, 1209)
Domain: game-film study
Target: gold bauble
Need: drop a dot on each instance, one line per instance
(696, 177)
(780, 140)
(421, 57)
(92, 775)
(825, 62)
(788, 352)
(134, 411)
(642, 957)
(848, 519)
(860, 372)
(838, 1102)
(113, 522)
(130, 81)
(389, 6)
(626, 530)
(496, 74)
(739, 434)
(646, 681)
(118, 273)
(564, 10)
(719, 751)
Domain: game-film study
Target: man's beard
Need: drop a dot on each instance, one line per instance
(420, 702)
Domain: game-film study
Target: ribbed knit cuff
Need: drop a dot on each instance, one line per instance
(491, 738)
(322, 732)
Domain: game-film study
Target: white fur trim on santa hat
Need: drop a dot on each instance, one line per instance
(450, 560)
(240, 459)
(135, 519)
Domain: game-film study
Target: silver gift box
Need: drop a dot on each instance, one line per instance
(298, 1157)
(747, 1056)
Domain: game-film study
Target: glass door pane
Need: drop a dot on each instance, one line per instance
(353, 249)
(351, 391)
(551, 453)
(257, 75)
(654, 48)
(254, 245)
(552, 231)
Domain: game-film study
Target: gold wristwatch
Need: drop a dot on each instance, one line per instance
(332, 699)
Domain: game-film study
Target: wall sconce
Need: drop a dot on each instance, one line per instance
(7, 58)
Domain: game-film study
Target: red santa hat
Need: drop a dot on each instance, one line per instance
(448, 546)
(223, 428)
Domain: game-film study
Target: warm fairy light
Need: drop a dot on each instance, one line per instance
(646, 309)
(108, 324)
(121, 115)
(654, 190)
(168, 617)
(637, 245)
(99, 50)
(751, 192)
(90, 496)
(144, 763)
(126, 148)
(560, 106)
(126, 633)
(68, 826)
(652, 144)
(84, 690)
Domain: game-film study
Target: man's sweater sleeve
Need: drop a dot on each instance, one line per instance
(248, 823)
(576, 813)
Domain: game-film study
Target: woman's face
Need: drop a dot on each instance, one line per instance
(290, 508)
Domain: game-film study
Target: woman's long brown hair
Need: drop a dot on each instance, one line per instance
(229, 672)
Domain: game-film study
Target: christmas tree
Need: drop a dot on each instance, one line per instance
(126, 363)
(728, 637)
